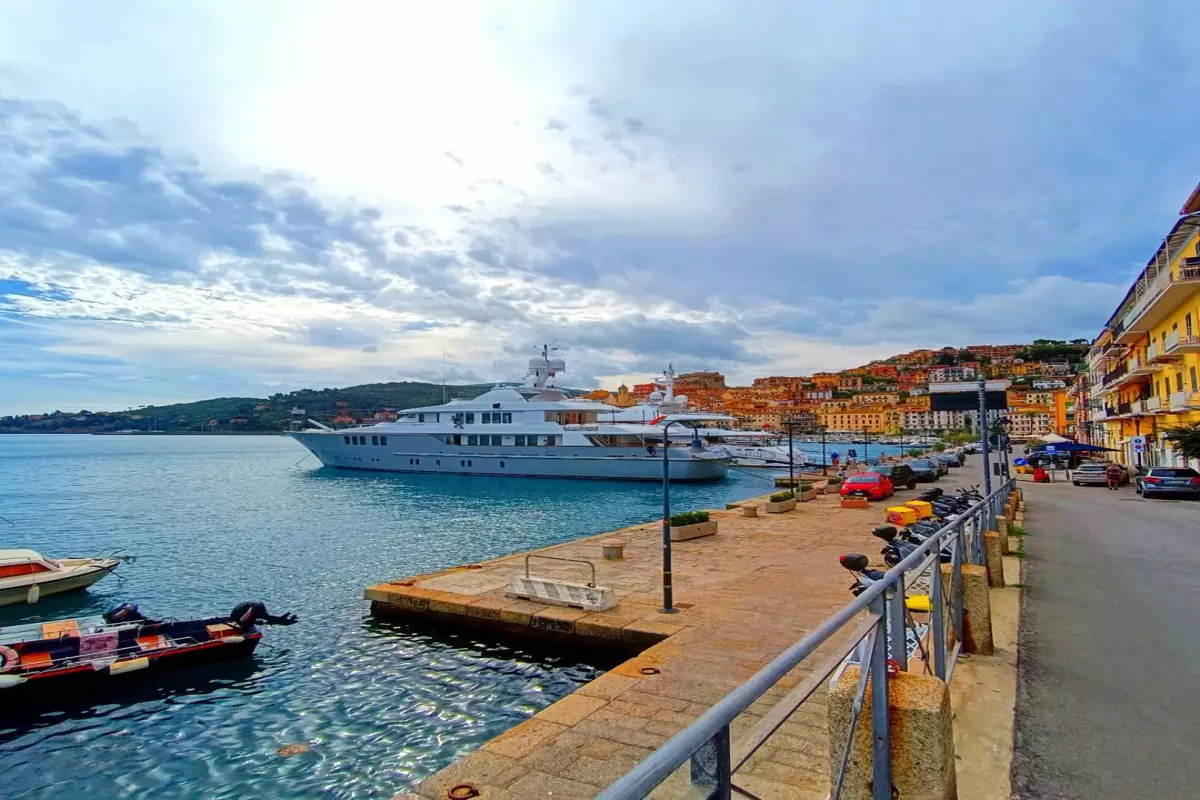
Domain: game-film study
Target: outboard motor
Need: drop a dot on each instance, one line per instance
(245, 615)
(126, 612)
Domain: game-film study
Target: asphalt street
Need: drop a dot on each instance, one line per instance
(1108, 699)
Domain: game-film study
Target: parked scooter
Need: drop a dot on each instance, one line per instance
(865, 577)
(898, 548)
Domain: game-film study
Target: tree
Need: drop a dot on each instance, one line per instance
(946, 360)
(1186, 439)
(916, 452)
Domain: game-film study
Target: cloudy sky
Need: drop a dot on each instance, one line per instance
(202, 199)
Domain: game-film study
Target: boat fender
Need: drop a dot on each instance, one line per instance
(233, 639)
(9, 681)
(9, 659)
(34, 594)
(130, 665)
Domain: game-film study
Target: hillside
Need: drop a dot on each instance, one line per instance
(247, 414)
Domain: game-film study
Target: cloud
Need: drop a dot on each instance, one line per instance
(754, 190)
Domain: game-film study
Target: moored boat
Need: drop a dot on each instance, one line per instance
(86, 652)
(26, 575)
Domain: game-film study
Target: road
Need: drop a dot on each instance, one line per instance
(1108, 702)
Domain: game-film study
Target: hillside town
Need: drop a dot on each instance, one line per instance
(891, 396)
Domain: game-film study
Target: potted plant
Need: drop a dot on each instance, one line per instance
(808, 491)
(691, 525)
(781, 502)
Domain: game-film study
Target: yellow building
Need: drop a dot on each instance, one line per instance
(877, 419)
(1145, 364)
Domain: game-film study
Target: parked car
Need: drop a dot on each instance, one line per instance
(1163, 481)
(943, 467)
(1090, 475)
(870, 485)
(925, 470)
(951, 459)
(898, 474)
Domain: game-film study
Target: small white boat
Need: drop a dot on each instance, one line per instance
(26, 575)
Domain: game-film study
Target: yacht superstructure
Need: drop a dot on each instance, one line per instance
(533, 430)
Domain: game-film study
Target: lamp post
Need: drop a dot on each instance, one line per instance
(791, 425)
(823, 429)
(668, 606)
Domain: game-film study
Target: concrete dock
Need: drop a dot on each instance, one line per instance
(744, 596)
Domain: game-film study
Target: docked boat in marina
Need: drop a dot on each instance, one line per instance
(26, 575)
(87, 651)
(532, 430)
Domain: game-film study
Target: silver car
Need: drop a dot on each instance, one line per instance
(1090, 475)
(1169, 481)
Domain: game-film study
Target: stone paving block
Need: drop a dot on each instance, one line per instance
(641, 632)
(594, 771)
(571, 709)
(450, 603)
(541, 784)
(487, 608)
(519, 741)
(616, 733)
(556, 618)
(518, 612)
(480, 767)
(608, 686)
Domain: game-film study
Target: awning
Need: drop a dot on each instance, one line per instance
(1068, 446)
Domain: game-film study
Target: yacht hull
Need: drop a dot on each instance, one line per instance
(426, 454)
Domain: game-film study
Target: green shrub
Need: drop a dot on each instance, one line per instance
(939, 448)
(806, 485)
(834, 481)
(780, 497)
(688, 518)
(916, 452)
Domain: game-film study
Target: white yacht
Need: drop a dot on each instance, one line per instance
(532, 430)
(745, 448)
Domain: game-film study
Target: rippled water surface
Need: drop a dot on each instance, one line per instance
(217, 520)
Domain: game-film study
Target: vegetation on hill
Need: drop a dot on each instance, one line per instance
(248, 414)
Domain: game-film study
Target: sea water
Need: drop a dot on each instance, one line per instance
(215, 520)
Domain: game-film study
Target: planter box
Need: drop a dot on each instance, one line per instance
(810, 494)
(779, 508)
(696, 531)
(855, 502)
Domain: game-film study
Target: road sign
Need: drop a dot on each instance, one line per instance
(1139, 444)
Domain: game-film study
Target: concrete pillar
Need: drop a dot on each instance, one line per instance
(1002, 525)
(995, 563)
(977, 608)
(922, 737)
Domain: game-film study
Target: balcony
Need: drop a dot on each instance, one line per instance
(1154, 405)
(1177, 345)
(1155, 297)
(1184, 401)
(1156, 354)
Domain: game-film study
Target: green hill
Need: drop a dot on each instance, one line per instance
(247, 414)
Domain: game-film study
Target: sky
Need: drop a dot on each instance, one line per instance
(205, 199)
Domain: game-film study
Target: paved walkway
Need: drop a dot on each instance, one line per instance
(748, 593)
(1109, 698)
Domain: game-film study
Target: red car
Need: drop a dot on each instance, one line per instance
(871, 485)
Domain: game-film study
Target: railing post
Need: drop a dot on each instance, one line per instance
(710, 766)
(956, 583)
(897, 624)
(881, 743)
(938, 603)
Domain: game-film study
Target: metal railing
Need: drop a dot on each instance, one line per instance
(877, 641)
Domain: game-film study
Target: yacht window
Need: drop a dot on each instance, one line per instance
(346, 439)
(501, 465)
(487, 417)
(457, 438)
(519, 440)
(472, 440)
(420, 417)
(470, 418)
(468, 462)
(506, 417)
(375, 441)
(496, 441)
(550, 441)
(383, 441)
